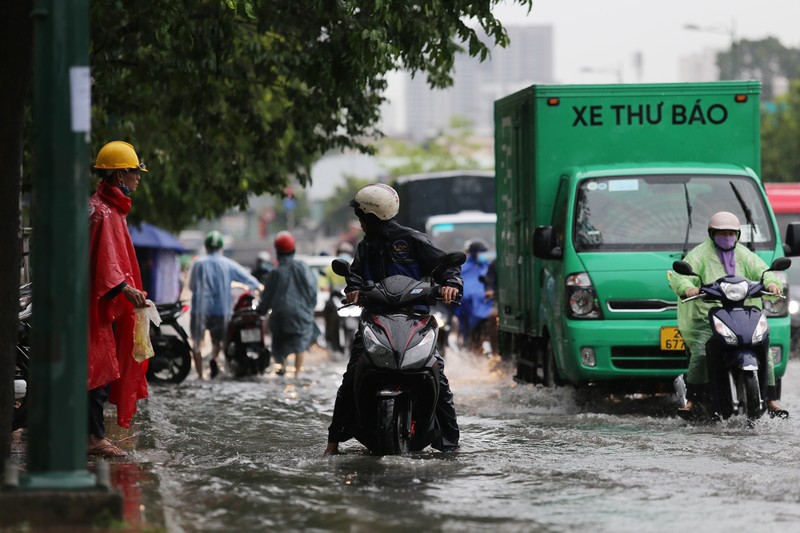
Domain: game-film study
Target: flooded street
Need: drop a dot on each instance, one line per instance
(247, 455)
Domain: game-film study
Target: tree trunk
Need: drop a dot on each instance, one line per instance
(16, 60)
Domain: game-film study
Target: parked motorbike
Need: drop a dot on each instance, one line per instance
(397, 382)
(21, 370)
(172, 361)
(246, 352)
(737, 353)
(341, 321)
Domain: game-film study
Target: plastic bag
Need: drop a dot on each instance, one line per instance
(142, 347)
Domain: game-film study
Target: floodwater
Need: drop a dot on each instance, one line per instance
(247, 456)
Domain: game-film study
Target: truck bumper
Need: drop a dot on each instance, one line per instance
(630, 350)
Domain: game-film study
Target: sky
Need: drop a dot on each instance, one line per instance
(605, 35)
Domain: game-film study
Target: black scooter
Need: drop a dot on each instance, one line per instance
(246, 352)
(172, 361)
(397, 382)
(737, 353)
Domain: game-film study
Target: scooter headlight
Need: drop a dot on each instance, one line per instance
(349, 311)
(440, 320)
(417, 356)
(381, 355)
(762, 329)
(735, 292)
(724, 331)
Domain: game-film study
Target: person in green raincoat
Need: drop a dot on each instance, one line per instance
(718, 256)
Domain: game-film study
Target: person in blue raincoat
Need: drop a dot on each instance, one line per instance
(291, 292)
(719, 255)
(210, 282)
(475, 306)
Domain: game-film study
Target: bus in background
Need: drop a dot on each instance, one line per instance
(784, 197)
(452, 233)
(443, 193)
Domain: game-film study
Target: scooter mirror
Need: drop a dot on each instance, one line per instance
(341, 267)
(781, 263)
(683, 268)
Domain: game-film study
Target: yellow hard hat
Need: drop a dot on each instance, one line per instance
(118, 155)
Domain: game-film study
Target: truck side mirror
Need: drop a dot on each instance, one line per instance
(544, 243)
(792, 242)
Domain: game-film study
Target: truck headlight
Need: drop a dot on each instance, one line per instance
(581, 297)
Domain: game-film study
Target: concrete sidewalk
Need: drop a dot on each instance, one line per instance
(135, 494)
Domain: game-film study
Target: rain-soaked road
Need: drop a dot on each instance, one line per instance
(247, 456)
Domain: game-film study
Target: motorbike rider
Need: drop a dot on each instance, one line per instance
(390, 249)
(475, 306)
(291, 292)
(718, 256)
(210, 282)
(335, 283)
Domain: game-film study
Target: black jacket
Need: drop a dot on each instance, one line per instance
(400, 250)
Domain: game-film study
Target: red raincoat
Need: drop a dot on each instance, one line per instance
(112, 260)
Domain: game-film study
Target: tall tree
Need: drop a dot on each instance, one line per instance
(227, 98)
(780, 137)
(766, 60)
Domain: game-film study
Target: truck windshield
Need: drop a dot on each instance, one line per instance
(454, 237)
(651, 212)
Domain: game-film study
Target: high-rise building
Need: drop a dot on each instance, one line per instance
(527, 60)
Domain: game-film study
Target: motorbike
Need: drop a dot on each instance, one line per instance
(736, 354)
(172, 361)
(397, 381)
(23, 358)
(246, 352)
(443, 314)
(341, 321)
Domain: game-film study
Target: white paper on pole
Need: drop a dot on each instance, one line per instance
(80, 86)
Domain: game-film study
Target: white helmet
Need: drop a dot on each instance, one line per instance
(724, 221)
(377, 199)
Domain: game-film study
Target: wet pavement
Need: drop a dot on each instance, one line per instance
(246, 455)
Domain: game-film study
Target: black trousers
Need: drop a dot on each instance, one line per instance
(344, 409)
(97, 398)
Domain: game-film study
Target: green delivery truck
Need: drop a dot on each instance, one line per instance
(599, 188)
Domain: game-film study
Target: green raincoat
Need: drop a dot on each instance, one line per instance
(693, 316)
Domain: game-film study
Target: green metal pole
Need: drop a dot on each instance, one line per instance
(57, 425)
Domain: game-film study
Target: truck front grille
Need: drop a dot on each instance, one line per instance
(641, 306)
(647, 358)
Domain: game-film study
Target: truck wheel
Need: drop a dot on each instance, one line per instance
(550, 376)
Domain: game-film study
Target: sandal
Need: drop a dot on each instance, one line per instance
(105, 448)
(778, 413)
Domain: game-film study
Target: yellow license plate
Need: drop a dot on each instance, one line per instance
(671, 339)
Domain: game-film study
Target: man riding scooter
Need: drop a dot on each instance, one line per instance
(388, 249)
(720, 255)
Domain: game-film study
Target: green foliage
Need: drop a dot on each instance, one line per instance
(451, 149)
(228, 98)
(780, 137)
(766, 60)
